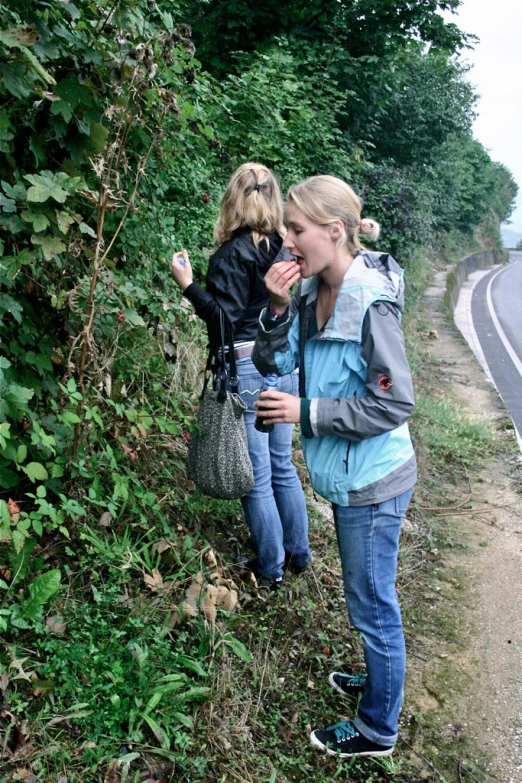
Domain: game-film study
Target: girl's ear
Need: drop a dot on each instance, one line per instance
(336, 229)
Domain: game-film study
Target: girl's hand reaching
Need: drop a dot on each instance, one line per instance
(279, 280)
(181, 269)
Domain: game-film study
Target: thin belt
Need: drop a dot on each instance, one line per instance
(240, 353)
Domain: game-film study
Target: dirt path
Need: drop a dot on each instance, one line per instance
(487, 711)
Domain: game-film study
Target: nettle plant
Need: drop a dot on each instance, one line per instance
(87, 94)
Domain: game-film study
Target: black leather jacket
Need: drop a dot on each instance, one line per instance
(235, 282)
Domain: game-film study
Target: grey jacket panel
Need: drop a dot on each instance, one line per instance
(388, 400)
(272, 338)
(395, 483)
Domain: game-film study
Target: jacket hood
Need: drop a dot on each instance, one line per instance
(381, 280)
(390, 271)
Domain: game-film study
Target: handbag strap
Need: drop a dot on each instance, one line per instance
(216, 362)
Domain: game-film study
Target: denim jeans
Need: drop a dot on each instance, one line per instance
(275, 509)
(368, 538)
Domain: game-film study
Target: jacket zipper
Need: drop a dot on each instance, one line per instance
(347, 455)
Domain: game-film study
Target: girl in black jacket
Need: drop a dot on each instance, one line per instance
(249, 234)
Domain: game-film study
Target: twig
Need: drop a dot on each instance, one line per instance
(432, 765)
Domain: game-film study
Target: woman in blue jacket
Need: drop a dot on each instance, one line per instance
(248, 233)
(342, 329)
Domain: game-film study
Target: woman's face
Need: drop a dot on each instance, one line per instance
(312, 245)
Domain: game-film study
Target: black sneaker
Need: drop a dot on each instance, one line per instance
(295, 568)
(347, 684)
(248, 564)
(266, 585)
(344, 740)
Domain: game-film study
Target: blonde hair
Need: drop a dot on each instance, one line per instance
(325, 199)
(252, 200)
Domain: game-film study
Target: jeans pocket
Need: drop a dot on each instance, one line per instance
(402, 502)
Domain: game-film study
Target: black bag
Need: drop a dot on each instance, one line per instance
(218, 461)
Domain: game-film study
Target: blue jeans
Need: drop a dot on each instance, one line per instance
(275, 509)
(368, 538)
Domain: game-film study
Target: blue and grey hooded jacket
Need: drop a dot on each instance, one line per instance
(355, 383)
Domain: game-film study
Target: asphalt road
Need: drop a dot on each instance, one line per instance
(496, 312)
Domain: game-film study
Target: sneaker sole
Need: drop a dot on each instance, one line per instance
(331, 681)
(318, 744)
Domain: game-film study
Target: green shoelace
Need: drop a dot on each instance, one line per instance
(344, 731)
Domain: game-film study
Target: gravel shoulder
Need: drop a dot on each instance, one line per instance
(485, 714)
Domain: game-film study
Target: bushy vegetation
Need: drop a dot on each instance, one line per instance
(120, 122)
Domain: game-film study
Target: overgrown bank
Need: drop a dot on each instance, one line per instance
(116, 143)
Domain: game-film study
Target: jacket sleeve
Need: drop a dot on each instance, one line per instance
(388, 400)
(228, 287)
(276, 348)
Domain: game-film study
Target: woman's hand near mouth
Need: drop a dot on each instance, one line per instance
(279, 280)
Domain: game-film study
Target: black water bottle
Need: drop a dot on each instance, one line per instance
(270, 382)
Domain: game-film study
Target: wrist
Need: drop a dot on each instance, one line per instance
(276, 310)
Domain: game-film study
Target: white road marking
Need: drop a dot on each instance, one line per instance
(464, 321)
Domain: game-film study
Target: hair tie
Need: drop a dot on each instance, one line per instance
(257, 186)
(361, 226)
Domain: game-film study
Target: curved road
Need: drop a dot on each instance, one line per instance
(496, 315)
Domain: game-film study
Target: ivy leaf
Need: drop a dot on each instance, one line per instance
(39, 220)
(43, 587)
(35, 471)
(64, 220)
(50, 245)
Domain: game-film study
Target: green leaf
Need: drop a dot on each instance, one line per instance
(237, 647)
(70, 417)
(37, 527)
(8, 478)
(50, 245)
(40, 221)
(36, 149)
(36, 471)
(190, 663)
(185, 720)
(38, 67)
(85, 229)
(64, 220)
(21, 453)
(5, 516)
(10, 305)
(21, 36)
(7, 204)
(128, 757)
(160, 734)
(18, 192)
(133, 317)
(11, 265)
(18, 541)
(43, 587)
(47, 185)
